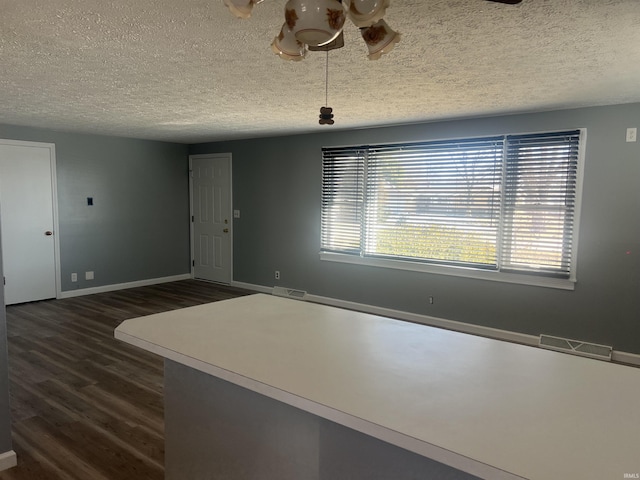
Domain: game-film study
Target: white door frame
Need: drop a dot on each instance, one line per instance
(191, 214)
(54, 192)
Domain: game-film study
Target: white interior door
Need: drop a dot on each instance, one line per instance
(27, 220)
(211, 217)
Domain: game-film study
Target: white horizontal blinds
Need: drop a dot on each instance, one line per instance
(539, 202)
(503, 203)
(342, 199)
(435, 201)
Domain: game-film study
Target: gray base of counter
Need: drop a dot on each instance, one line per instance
(216, 430)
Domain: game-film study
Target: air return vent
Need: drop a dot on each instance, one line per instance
(576, 347)
(289, 293)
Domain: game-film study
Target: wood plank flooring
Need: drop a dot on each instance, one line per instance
(84, 405)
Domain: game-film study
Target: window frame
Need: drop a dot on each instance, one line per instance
(528, 278)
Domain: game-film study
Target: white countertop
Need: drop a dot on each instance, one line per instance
(487, 407)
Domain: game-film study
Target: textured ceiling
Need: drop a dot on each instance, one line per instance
(188, 71)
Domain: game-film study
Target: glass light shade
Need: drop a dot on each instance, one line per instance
(379, 38)
(315, 22)
(288, 46)
(364, 13)
(241, 8)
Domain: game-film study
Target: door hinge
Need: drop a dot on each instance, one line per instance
(193, 263)
(192, 219)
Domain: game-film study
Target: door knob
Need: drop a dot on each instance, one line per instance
(48, 233)
(226, 230)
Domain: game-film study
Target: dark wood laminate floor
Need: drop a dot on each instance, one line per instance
(84, 405)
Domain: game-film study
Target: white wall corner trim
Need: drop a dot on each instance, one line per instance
(122, 286)
(506, 335)
(8, 460)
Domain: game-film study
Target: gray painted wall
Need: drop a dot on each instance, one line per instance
(138, 227)
(277, 186)
(5, 415)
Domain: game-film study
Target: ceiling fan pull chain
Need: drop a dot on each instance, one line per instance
(326, 115)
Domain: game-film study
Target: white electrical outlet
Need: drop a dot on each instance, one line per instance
(88, 275)
(74, 277)
(632, 134)
(277, 275)
(236, 214)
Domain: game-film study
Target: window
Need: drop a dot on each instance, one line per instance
(506, 205)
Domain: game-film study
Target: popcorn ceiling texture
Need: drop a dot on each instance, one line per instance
(188, 71)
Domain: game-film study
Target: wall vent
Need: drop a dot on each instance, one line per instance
(289, 293)
(576, 347)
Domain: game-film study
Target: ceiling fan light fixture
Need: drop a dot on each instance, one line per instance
(364, 13)
(315, 22)
(287, 46)
(379, 38)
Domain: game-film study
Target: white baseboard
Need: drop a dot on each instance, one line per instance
(121, 286)
(507, 335)
(626, 357)
(250, 286)
(8, 460)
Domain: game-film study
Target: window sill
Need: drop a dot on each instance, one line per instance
(452, 271)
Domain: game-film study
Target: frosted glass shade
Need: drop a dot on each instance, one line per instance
(380, 39)
(364, 13)
(241, 8)
(287, 45)
(315, 22)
